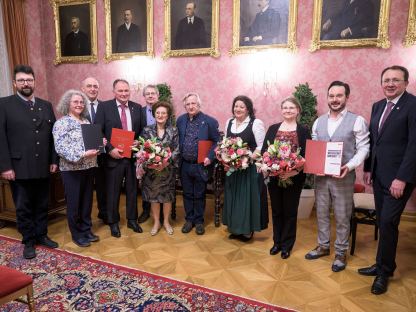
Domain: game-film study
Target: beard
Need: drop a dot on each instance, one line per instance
(340, 107)
(26, 91)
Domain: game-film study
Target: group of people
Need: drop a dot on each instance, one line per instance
(35, 144)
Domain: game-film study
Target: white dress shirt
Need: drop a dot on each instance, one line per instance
(361, 133)
(394, 101)
(129, 127)
(258, 129)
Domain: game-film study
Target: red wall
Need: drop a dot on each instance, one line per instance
(219, 80)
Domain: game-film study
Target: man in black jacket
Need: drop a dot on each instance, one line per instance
(76, 42)
(27, 157)
(128, 35)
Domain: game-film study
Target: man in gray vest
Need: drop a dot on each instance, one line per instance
(338, 125)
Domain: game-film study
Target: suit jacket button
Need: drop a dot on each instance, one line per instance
(34, 119)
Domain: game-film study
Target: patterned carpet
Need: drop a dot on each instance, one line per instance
(68, 282)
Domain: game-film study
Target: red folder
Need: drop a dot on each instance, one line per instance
(315, 152)
(204, 147)
(122, 139)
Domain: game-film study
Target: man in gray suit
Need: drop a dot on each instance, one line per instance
(338, 125)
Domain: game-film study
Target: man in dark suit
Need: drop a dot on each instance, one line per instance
(391, 167)
(195, 126)
(77, 42)
(27, 157)
(191, 33)
(355, 20)
(90, 87)
(128, 35)
(127, 115)
(265, 28)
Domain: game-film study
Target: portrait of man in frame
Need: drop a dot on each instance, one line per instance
(129, 25)
(264, 24)
(350, 23)
(192, 27)
(75, 29)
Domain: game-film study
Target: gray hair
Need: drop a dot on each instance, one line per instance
(189, 94)
(151, 86)
(63, 105)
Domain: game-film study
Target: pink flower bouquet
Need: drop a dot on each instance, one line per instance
(234, 154)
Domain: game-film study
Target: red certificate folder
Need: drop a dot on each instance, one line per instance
(203, 149)
(320, 155)
(122, 139)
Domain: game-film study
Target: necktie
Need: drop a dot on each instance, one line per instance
(30, 103)
(123, 117)
(92, 112)
(386, 114)
(189, 20)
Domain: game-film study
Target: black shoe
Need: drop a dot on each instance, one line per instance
(29, 251)
(115, 230)
(275, 250)
(132, 224)
(379, 285)
(233, 236)
(187, 227)
(368, 271)
(82, 242)
(199, 229)
(245, 238)
(47, 242)
(144, 216)
(285, 254)
(92, 237)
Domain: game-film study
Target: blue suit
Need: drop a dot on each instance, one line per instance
(194, 176)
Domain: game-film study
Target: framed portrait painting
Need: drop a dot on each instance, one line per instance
(264, 24)
(75, 31)
(350, 23)
(410, 38)
(191, 28)
(129, 28)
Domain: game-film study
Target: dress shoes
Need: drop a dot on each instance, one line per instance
(380, 285)
(244, 238)
(144, 216)
(199, 229)
(233, 236)
(275, 250)
(47, 242)
(115, 230)
(82, 242)
(132, 224)
(368, 271)
(29, 251)
(92, 237)
(187, 227)
(285, 254)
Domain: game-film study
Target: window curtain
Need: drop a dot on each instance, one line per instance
(5, 76)
(14, 23)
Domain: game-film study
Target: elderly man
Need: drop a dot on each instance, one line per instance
(27, 157)
(90, 87)
(194, 126)
(77, 42)
(265, 27)
(191, 33)
(128, 35)
(123, 114)
(391, 167)
(338, 125)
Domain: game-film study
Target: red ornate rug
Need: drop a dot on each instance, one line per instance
(68, 282)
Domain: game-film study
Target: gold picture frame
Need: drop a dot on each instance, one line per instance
(285, 36)
(377, 34)
(410, 38)
(79, 46)
(114, 47)
(176, 15)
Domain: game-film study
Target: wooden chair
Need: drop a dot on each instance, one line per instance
(13, 285)
(364, 212)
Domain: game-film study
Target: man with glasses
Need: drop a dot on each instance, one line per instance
(195, 126)
(27, 157)
(338, 125)
(90, 87)
(391, 167)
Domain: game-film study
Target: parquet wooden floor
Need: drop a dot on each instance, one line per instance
(247, 269)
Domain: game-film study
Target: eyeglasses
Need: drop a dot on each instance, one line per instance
(393, 81)
(28, 81)
(150, 93)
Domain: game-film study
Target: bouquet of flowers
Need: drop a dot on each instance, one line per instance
(279, 159)
(234, 154)
(150, 154)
